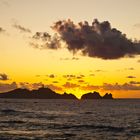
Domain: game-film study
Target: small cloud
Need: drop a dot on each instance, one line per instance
(73, 58)
(38, 76)
(4, 77)
(138, 61)
(78, 77)
(70, 85)
(55, 82)
(137, 25)
(69, 76)
(134, 82)
(130, 68)
(81, 81)
(98, 70)
(46, 41)
(130, 76)
(21, 28)
(52, 76)
(92, 75)
(2, 30)
(81, 75)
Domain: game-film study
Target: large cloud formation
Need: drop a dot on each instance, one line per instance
(96, 40)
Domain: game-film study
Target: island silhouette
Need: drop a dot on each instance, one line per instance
(47, 93)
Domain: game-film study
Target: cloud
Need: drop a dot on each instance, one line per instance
(134, 82)
(91, 74)
(43, 40)
(125, 86)
(7, 87)
(138, 61)
(107, 86)
(96, 40)
(3, 77)
(2, 30)
(99, 71)
(130, 76)
(52, 76)
(69, 76)
(30, 85)
(130, 69)
(55, 82)
(70, 85)
(137, 25)
(81, 81)
(73, 58)
(90, 87)
(21, 28)
(5, 2)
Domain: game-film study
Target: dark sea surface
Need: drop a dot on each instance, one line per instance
(69, 119)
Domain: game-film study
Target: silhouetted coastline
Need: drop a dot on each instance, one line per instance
(46, 93)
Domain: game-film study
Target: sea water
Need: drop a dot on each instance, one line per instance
(28, 119)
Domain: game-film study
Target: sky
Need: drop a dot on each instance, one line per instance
(48, 42)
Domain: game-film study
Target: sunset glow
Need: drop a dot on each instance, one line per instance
(27, 63)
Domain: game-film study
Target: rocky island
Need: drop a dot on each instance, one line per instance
(46, 93)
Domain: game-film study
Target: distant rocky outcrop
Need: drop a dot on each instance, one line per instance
(96, 95)
(107, 96)
(47, 93)
(90, 95)
(41, 93)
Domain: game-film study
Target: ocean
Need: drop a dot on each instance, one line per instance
(28, 119)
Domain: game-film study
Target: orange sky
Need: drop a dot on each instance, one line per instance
(60, 69)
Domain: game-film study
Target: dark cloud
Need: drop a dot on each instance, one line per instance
(52, 76)
(3, 77)
(69, 76)
(130, 76)
(7, 87)
(134, 82)
(2, 30)
(47, 41)
(21, 28)
(96, 40)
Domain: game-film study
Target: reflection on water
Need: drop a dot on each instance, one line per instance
(69, 119)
